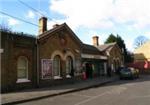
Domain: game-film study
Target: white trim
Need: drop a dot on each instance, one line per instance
(23, 80)
(57, 77)
(1, 50)
(105, 68)
(91, 56)
(57, 52)
(68, 76)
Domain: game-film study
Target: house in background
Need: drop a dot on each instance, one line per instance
(142, 57)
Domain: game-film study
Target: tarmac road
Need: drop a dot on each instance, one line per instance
(122, 92)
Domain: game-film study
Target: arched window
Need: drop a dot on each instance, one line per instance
(22, 68)
(56, 65)
(69, 65)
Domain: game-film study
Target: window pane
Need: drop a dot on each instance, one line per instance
(22, 67)
(22, 73)
(56, 65)
(68, 65)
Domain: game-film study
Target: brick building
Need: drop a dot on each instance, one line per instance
(18, 59)
(54, 57)
(112, 52)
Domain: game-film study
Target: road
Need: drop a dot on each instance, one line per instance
(122, 92)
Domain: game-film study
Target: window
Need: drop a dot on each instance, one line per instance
(69, 66)
(22, 69)
(56, 65)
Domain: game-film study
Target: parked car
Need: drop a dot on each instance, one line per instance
(135, 72)
(118, 70)
(129, 73)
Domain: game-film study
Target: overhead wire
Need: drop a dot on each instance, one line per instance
(37, 11)
(18, 18)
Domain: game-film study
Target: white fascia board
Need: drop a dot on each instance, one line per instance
(91, 56)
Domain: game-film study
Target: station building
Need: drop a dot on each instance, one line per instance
(54, 57)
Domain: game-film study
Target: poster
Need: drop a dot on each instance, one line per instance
(46, 65)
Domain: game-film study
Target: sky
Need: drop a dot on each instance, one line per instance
(87, 18)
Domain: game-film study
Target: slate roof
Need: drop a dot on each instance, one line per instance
(90, 49)
(86, 48)
(107, 47)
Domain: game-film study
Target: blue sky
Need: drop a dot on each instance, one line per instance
(128, 18)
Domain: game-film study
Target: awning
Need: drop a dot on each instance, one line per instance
(91, 56)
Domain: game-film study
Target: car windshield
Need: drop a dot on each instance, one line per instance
(126, 70)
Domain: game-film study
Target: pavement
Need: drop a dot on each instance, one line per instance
(40, 93)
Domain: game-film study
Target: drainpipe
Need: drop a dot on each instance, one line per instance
(37, 58)
(1, 51)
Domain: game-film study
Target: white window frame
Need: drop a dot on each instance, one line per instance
(69, 71)
(57, 76)
(22, 80)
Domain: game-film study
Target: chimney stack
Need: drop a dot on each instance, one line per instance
(95, 40)
(42, 25)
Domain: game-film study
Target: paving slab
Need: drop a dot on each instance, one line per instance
(39, 93)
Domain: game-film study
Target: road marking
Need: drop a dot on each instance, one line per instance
(82, 95)
(118, 90)
(87, 100)
(146, 96)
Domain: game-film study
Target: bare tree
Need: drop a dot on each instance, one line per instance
(4, 27)
(140, 40)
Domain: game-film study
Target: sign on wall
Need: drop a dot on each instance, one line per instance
(46, 65)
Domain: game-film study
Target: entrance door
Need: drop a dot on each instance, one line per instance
(89, 71)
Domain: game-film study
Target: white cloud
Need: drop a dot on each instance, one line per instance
(30, 14)
(129, 44)
(100, 13)
(51, 23)
(13, 22)
(132, 15)
(89, 13)
(147, 34)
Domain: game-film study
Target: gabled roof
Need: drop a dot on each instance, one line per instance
(107, 47)
(90, 49)
(58, 28)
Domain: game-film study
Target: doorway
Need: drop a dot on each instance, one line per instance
(89, 70)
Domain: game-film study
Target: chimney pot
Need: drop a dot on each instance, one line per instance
(95, 41)
(42, 25)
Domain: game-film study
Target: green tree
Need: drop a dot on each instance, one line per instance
(120, 42)
(112, 38)
(4, 27)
